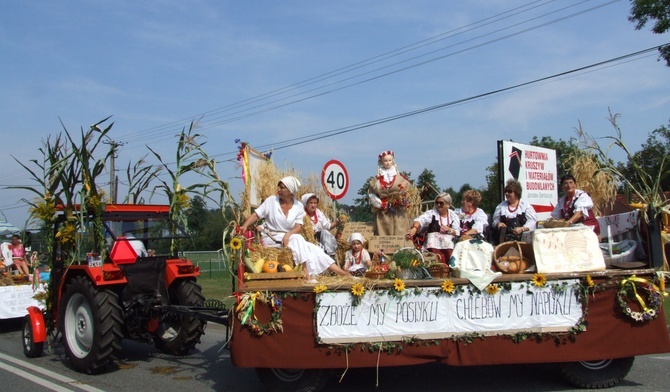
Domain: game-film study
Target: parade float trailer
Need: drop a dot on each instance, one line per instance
(588, 319)
(588, 309)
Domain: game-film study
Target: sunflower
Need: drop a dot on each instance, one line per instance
(235, 243)
(448, 286)
(492, 289)
(589, 281)
(357, 289)
(320, 288)
(539, 280)
(398, 284)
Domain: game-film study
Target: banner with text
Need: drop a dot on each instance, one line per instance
(421, 314)
(535, 168)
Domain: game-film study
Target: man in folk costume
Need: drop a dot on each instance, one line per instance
(388, 198)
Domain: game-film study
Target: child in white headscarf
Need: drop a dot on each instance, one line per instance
(356, 259)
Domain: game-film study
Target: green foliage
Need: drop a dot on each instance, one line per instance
(647, 187)
(643, 11)
(564, 149)
(139, 178)
(649, 159)
(428, 189)
(361, 211)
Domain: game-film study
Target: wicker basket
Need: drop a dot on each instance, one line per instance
(554, 223)
(514, 257)
(439, 271)
(375, 275)
(626, 256)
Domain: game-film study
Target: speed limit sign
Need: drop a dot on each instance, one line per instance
(335, 179)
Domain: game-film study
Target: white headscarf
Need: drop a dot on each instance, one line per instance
(305, 198)
(291, 183)
(356, 237)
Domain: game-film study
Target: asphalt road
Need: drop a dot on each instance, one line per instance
(142, 367)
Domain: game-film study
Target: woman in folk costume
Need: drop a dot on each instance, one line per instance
(322, 225)
(576, 205)
(388, 199)
(513, 216)
(474, 220)
(442, 226)
(283, 216)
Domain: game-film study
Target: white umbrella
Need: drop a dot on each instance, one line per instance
(8, 228)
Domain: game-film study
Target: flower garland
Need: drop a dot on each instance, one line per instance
(246, 312)
(396, 202)
(630, 291)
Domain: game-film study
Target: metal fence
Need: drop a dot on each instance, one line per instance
(208, 261)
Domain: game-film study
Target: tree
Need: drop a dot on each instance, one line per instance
(196, 215)
(564, 149)
(650, 159)
(361, 211)
(427, 186)
(658, 10)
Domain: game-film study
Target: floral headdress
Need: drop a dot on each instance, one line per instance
(385, 153)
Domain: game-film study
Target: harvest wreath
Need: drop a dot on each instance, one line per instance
(246, 312)
(630, 290)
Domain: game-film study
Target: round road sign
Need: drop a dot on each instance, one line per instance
(335, 179)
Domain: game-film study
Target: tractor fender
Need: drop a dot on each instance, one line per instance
(105, 275)
(39, 326)
(178, 269)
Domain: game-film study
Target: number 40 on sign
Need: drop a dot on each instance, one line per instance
(335, 179)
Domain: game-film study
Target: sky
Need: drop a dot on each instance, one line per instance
(300, 78)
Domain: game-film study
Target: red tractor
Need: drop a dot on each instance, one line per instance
(142, 290)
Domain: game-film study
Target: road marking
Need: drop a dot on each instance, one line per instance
(36, 369)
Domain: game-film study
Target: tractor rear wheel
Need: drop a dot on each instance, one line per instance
(177, 334)
(91, 322)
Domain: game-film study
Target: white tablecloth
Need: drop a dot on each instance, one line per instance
(14, 300)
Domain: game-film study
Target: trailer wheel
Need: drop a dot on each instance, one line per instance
(91, 323)
(177, 335)
(605, 373)
(31, 349)
(299, 380)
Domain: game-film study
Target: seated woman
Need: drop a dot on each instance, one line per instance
(283, 216)
(474, 220)
(442, 226)
(513, 216)
(576, 206)
(19, 255)
(357, 259)
(322, 225)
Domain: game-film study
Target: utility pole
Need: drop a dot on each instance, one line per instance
(113, 179)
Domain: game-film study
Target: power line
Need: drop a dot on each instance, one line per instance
(240, 114)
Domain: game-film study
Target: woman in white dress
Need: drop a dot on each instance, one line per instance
(283, 216)
(441, 224)
(513, 216)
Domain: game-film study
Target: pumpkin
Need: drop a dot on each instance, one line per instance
(286, 268)
(270, 266)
